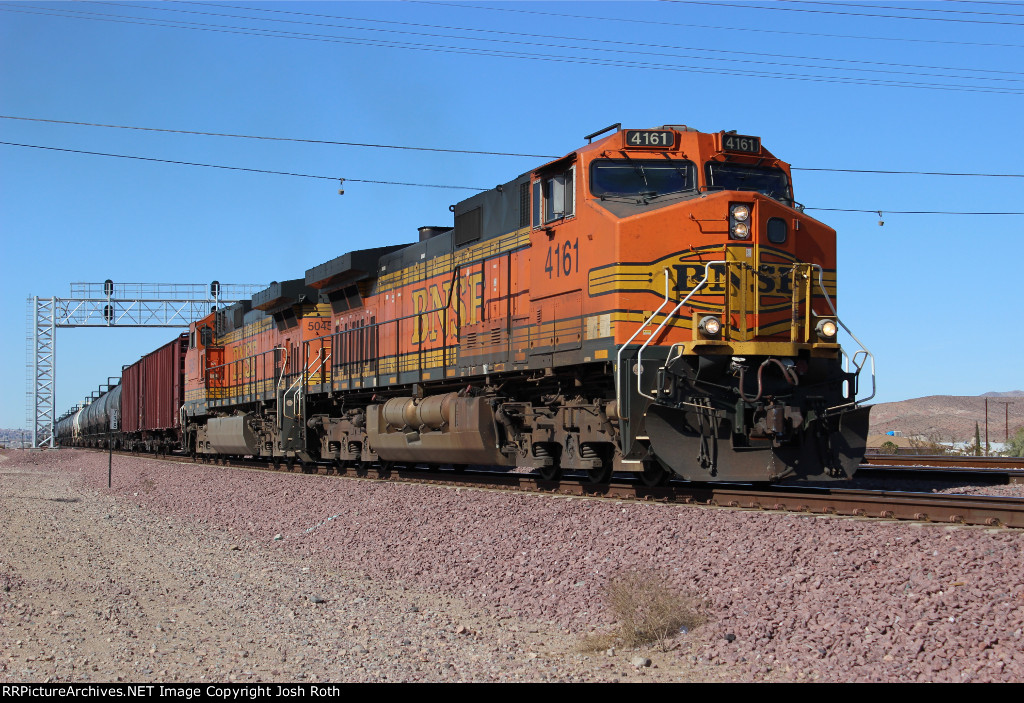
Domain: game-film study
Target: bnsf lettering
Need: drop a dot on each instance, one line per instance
(770, 280)
(432, 304)
(243, 350)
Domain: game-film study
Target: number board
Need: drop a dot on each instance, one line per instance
(741, 143)
(660, 138)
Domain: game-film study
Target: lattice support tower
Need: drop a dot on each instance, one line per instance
(109, 304)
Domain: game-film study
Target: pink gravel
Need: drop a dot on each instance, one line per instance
(799, 597)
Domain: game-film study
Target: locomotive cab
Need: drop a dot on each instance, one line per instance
(736, 373)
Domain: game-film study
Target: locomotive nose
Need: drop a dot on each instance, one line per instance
(698, 445)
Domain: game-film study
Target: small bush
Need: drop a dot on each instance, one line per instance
(648, 610)
(888, 448)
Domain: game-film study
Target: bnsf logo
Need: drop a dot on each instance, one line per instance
(244, 350)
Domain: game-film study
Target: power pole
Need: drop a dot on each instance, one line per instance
(1006, 416)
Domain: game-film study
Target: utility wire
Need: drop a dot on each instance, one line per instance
(467, 151)
(533, 56)
(239, 168)
(429, 185)
(909, 173)
(549, 36)
(706, 26)
(279, 139)
(846, 14)
(902, 9)
(549, 45)
(910, 212)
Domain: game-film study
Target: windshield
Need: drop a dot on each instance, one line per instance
(768, 181)
(640, 178)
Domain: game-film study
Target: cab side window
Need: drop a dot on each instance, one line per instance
(554, 197)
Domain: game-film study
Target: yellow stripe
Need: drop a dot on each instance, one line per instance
(446, 264)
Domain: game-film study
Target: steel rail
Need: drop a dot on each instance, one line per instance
(954, 509)
(944, 460)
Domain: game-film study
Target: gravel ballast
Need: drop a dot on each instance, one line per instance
(198, 572)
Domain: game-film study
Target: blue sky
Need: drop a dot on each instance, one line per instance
(937, 298)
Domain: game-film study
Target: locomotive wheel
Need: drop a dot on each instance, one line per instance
(654, 474)
(550, 473)
(362, 468)
(385, 468)
(599, 475)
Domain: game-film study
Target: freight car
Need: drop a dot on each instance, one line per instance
(92, 424)
(653, 302)
(140, 413)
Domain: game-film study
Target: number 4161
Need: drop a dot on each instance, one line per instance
(563, 259)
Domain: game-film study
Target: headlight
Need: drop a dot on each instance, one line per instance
(827, 330)
(710, 326)
(740, 220)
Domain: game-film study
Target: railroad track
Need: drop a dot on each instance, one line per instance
(978, 510)
(944, 460)
(939, 467)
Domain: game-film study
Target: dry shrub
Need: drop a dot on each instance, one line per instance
(648, 609)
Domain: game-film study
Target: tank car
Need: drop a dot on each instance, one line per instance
(655, 302)
(93, 424)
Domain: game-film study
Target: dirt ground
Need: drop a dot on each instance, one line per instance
(95, 588)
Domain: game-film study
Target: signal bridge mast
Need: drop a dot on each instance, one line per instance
(109, 304)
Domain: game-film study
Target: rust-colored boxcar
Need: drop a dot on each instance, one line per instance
(153, 391)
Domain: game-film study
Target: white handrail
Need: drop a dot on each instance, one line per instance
(618, 357)
(640, 353)
(863, 349)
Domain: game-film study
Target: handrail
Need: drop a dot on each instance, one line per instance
(641, 328)
(863, 354)
(863, 349)
(669, 316)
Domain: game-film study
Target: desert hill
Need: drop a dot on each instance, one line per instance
(951, 418)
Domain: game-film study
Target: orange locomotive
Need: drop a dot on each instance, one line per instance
(654, 302)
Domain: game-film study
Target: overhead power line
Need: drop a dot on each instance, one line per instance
(279, 139)
(909, 212)
(240, 168)
(426, 185)
(888, 64)
(562, 58)
(707, 26)
(546, 44)
(464, 151)
(845, 14)
(902, 9)
(908, 173)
